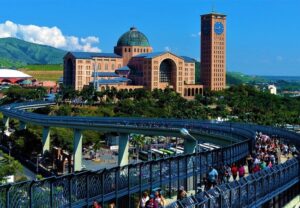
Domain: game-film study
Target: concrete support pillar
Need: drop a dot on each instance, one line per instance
(22, 125)
(77, 152)
(190, 146)
(46, 139)
(123, 149)
(6, 122)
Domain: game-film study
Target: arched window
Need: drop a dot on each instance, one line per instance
(165, 71)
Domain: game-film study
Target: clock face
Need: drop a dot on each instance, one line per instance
(219, 28)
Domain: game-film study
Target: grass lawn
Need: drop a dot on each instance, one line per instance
(45, 75)
(40, 67)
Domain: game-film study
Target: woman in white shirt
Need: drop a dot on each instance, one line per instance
(144, 199)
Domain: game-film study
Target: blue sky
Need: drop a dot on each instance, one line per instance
(263, 36)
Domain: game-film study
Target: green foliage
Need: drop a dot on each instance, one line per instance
(39, 177)
(17, 93)
(4, 62)
(16, 53)
(63, 138)
(8, 166)
(67, 93)
(244, 102)
(64, 110)
(26, 141)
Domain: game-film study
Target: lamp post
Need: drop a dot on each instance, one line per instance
(184, 132)
(95, 66)
(9, 149)
(37, 163)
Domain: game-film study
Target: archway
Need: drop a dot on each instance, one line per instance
(167, 67)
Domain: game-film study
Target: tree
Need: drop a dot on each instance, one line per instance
(8, 166)
(87, 93)
(68, 93)
(138, 140)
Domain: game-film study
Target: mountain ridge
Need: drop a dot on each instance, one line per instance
(15, 53)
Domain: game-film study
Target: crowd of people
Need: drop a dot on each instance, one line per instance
(155, 200)
(268, 152)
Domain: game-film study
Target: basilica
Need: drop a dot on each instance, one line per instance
(133, 65)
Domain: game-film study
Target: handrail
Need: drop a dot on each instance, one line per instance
(251, 191)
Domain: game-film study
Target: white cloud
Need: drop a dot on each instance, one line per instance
(194, 35)
(167, 48)
(51, 36)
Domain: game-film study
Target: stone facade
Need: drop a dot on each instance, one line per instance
(132, 65)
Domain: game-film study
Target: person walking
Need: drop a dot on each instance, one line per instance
(143, 200)
(151, 203)
(227, 172)
(159, 199)
(96, 205)
(234, 171)
(181, 194)
(241, 171)
(249, 162)
(212, 177)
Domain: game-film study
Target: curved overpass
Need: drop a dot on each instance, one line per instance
(236, 140)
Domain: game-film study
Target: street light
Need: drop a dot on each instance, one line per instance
(184, 132)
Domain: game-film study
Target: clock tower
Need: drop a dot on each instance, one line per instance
(213, 51)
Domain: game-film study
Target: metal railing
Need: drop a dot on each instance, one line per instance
(251, 191)
(81, 189)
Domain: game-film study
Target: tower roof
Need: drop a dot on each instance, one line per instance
(133, 38)
(214, 13)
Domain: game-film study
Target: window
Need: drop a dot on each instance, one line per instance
(106, 66)
(113, 67)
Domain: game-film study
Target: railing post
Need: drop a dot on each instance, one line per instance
(6, 121)
(87, 188)
(77, 152)
(7, 196)
(117, 177)
(170, 178)
(70, 190)
(46, 139)
(30, 194)
(123, 149)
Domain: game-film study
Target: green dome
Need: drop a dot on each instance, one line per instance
(133, 38)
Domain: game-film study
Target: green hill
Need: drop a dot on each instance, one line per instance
(232, 78)
(236, 78)
(17, 53)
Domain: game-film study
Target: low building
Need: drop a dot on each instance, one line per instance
(12, 76)
(272, 89)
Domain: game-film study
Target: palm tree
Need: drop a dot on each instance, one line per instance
(138, 140)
